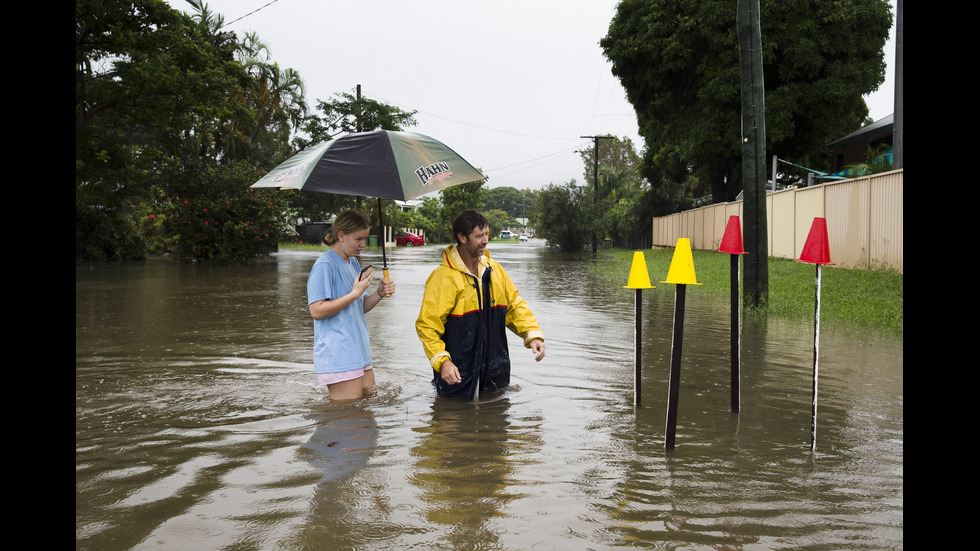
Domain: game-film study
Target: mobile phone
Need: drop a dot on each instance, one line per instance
(366, 268)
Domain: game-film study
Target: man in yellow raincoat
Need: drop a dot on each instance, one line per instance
(469, 300)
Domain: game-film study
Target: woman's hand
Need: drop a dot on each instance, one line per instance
(386, 287)
(328, 308)
(363, 281)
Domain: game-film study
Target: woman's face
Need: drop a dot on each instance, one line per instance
(350, 244)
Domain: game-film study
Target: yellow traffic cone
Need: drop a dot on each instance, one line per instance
(639, 278)
(681, 270)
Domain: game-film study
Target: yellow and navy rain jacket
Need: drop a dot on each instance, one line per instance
(463, 318)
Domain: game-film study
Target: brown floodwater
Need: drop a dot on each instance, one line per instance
(199, 424)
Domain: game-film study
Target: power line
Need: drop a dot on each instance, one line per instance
(256, 10)
(469, 124)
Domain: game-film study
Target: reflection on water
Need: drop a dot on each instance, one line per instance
(198, 423)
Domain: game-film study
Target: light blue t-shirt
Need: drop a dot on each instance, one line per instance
(340, 342)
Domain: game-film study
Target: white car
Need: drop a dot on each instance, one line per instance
(523, 237)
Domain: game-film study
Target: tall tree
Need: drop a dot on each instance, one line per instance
(508, 199)
(618, 160)
(150, 88)
(273, 95)
(456, 199)
(678, 61)
(349, 113)
(564, 216)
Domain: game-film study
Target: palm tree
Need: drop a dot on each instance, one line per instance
(274, 97)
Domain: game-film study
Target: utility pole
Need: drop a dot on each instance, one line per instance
(595, 181)
(357, 116)
(524, 212)
(755, 279)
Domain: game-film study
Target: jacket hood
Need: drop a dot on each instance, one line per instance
(452, 260)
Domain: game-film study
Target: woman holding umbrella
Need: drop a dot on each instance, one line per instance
(336, 294)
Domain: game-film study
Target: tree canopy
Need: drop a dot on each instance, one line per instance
(349, 113)
(173, 116)
(517, 203)
(564, 216)
(678, 62)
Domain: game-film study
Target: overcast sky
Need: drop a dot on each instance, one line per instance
(511, 85)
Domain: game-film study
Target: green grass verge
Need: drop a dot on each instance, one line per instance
(303, 247)
(870, 299)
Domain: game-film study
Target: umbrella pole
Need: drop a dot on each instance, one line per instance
(384, 256)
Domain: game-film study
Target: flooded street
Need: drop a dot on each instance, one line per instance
(199, 424)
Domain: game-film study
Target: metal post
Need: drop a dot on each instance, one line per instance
(774, 160)
(675, 366)
(637, 361)
(816, 357)
(595, 181)
(736, 353)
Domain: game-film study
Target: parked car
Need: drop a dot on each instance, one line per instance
(523, 237)
(409, 240)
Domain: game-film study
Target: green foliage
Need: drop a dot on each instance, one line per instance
(678, 61)
(624, 199)
(516, 203)
(149, 85)
(216, 217)
(161, 98)
(426, 218)
(456, 199)
(498, 220)
(106, 234)
(869, 299)
(619, 167)
(879, 160)
(156, 92)
(319, 207)
(564, 216)
(348, 113)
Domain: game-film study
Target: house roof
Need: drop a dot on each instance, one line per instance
(881, 126)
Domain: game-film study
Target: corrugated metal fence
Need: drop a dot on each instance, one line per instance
(864, 221)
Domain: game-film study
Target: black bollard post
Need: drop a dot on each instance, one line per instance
(736, 353)
(681, 273)
(638, 280)
(673, 391)
(637, 339)
(732, 243)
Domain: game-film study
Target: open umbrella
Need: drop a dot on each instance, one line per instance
(383, 164)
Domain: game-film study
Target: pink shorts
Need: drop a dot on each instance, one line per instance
(332, 378)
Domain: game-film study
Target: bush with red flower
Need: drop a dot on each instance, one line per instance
(217, 217)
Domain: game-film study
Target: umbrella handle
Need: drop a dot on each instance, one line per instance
(384, 256)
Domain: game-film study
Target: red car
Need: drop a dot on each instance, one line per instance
(409, 240)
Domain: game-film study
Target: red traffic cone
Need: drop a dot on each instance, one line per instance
(816, 250)
(732, 241)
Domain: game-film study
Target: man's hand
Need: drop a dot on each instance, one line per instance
(537, 346)
(450, 373)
